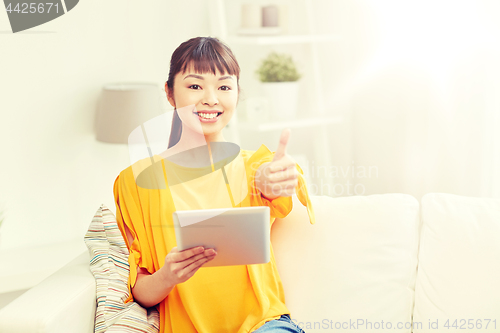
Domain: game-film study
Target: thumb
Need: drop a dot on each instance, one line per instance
(281, 151)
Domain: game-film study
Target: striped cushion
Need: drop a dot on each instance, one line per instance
(109, 265)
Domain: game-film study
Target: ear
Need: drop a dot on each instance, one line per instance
(170, 95)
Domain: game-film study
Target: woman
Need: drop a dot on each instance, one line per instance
(203, 87)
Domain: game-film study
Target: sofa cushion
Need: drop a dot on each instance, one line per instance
(109, 265)
(354, 269)
(459, 264)
(63, 302)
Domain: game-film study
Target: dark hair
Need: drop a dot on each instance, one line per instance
(205, 54)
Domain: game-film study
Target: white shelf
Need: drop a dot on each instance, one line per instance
(282, 39)
(296, 123)
(310, 40)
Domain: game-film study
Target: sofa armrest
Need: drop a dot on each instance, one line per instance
(63, 302)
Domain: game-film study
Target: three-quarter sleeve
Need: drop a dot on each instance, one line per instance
(281, 206)
(128, 212)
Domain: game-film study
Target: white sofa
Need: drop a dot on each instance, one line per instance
(373, 263)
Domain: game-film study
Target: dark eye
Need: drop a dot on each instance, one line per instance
(195, 86)
(225, 88)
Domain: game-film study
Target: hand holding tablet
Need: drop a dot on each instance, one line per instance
(181, 265)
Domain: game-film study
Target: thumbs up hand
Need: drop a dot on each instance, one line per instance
(279, 177)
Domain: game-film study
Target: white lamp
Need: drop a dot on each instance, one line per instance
(124, 106)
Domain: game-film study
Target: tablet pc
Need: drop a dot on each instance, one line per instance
(241, 235)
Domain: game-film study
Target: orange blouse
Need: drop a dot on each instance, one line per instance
(238, 298)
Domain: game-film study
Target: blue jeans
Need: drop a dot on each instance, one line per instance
(282, 325)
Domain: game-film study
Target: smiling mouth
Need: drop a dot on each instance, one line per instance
(208, 115)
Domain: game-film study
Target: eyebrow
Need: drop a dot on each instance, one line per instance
(201, 77)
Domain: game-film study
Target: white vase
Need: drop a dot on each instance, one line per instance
(283, 98)
(251, 15)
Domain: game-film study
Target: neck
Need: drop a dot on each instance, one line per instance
(192, 139)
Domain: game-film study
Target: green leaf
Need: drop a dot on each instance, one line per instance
(278, 68)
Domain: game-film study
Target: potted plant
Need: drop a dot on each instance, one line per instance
(279, 77)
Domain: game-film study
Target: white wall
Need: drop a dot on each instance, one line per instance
(426, 104)
(54, 174)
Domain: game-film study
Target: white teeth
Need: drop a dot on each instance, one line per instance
(208, 115)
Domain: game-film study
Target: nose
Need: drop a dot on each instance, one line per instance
(210, 98)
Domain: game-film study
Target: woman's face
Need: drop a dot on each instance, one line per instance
(204, 102)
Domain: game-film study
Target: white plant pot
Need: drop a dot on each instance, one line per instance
(283, 98)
